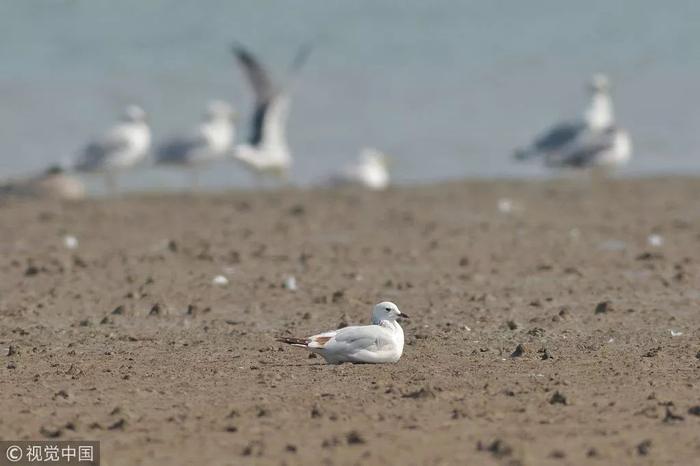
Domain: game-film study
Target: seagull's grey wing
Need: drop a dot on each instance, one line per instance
(559, 136)
(555, 139)
(179, 149)
(97, 151)
(585, 152)
(353, 339)
(257, 75)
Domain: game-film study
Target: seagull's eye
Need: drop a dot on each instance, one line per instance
(387, 309)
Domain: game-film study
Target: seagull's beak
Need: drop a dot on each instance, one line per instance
(403, 315)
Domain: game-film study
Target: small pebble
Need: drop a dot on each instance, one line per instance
(655, 240)
(70, 242)
(220, 280)
(505, 205)
(291, 283)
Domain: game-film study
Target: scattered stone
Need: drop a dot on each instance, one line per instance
(316, 412)
(422, 393)
(84, 323)
(644, 447)
(671, 417)
(291, 283)
(11, 365)
(604, 307)
(558, 398)
(592, 453)
(119, 310)
(648, 256)
(12, 350)
(498, 448)
(297, 210)
(558, 454)
(694, 410)
(70, 242)
(291, 448)
(544, 354)
(105, 320)
(520, 350)
(536, 332)
(464, 261)
(354, 438)
(652, 352)
(50, 432)
(117, 425)
(31, 271)
(337, 296)
(155, 310)
(512, 325)
(231, 429)
(220, 280)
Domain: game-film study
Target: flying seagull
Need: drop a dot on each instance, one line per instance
(211, 141)
(122, 147)
(598, 116)
(380, 342)
(266, 151)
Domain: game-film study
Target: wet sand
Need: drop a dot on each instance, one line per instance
(540, 331)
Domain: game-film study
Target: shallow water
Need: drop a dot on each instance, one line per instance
(447, 88)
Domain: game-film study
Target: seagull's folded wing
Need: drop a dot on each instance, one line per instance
(359, 341)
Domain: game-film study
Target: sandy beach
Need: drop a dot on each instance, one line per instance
(546, 327)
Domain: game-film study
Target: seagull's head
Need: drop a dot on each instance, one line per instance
(219, 110)
(134, 114)
(387, 311)
(599, 84)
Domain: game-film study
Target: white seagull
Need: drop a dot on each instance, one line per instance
(380, 342)
(122, 147)
(370, 171)
(211, 141)
(597, 117)
(267, 151)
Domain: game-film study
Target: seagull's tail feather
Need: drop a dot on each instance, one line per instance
(301, 342)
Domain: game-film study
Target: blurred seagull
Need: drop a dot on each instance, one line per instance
(122, 147)
(54, 183)
(380, 342)
(211, 141)
(605, 149)
(370, 171)
(267, 151)
(597, 117)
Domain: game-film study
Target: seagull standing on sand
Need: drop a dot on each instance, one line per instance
(380, 342)
(369, 171)
(211, 141)
(597, 117)
(267, 151)
(122, 147)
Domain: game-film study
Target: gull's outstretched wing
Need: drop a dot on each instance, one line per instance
(257, 75)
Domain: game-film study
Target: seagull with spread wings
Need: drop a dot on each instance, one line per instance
(266, 152)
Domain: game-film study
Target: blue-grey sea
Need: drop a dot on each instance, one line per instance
(447, 87)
